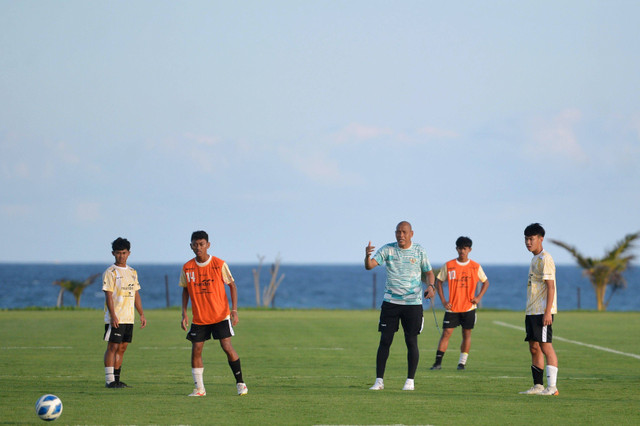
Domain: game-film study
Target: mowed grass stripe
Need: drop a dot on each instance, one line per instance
(315, 367)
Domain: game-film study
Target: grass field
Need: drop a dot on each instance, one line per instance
(315, 367)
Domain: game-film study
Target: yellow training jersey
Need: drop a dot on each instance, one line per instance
(123, 284)
(542, 268)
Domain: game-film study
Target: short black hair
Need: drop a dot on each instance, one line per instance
(534, 229)
(120, 244)
(200, 235)
(463, 242)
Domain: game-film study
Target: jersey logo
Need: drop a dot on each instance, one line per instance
(464, 281)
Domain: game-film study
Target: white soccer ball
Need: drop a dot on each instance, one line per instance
(48, 407)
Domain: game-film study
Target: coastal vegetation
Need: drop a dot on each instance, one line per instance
(607, 270)
(74, 287)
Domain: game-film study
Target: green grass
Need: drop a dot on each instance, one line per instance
(315, 366)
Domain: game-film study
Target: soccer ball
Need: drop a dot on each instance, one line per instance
(48, 407)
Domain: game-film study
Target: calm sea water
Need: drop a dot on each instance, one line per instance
(304, 286)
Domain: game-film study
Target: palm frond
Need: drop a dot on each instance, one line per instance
(584, 262)
(622, 246)
(608, 270)
(76, 287)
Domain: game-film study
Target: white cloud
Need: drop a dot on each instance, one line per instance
(19, 170)
(635, 124)
(356, 132)
(557, 137)
(12, 211)
(64, 153)
(25, 157)
(318, 167)
(203, 139)
(88, 211)
(207, 154)
(280, 195)
(435, 132)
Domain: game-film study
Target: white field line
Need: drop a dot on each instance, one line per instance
(575, 342)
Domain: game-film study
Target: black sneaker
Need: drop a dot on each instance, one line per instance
(114, 385)
(123, 384)
(436, 367)
(460, 366)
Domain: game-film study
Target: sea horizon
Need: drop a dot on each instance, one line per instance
(319, 285)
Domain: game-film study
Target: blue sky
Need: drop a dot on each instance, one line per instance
(306, 129)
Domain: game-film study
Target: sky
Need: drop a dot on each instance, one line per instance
(306, 129)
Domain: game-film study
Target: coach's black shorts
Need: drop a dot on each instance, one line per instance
(124, 333)
(392, 314)
(466, 319)
(219, 330)
(536, 331)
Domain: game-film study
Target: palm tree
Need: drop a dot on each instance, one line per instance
(74, 287)
(606, 270)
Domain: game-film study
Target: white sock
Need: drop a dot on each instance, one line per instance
(197, 377)
(552, 375)
(463, 358)
(108, 375)
(409, 382)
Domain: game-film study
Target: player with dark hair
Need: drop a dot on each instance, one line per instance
(202, 280)
(121, 291)
(462, 275)
(407, 268)
(541, 306)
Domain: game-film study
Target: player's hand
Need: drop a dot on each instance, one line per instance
(184, 323)
(547, 319)
(369, 249)
(143, 321)
(234, 318)
(429, 292)
(115, 322)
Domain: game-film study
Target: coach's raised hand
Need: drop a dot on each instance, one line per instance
(368, 262)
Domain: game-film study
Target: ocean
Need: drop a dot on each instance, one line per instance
(303, 286)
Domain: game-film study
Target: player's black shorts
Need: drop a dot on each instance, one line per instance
(392, 314)
(466, 319)
(536, 331)
(219, 330)
(124, 333)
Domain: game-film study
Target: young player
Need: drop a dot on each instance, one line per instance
(202, 280)
(541, 307)
(462, 274)
(407, 265)
(121, 292)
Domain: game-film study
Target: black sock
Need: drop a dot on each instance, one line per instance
(537, 374)
(116, 374)
(439, 355)
(237, 370)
